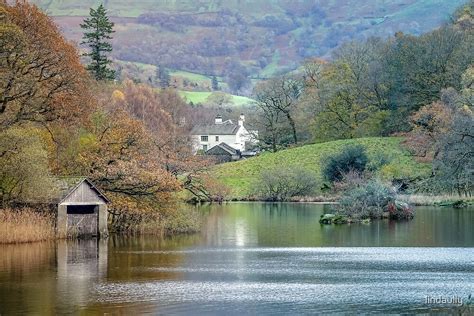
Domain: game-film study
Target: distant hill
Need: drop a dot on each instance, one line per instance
(240, 175)
(237, 39)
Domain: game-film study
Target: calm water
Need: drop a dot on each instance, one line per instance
(251, 259)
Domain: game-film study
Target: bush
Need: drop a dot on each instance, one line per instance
(369, 201)
(400, 210)
(378, 161)
(283, 183)
(350, 180)
(352, 158)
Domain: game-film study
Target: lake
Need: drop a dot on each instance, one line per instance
(252, 258)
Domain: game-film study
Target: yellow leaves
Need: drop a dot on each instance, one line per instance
(467, 110)
(24, 172)
(118, 95)
(88, 141)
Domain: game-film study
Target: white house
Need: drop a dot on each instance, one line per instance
(206, 136)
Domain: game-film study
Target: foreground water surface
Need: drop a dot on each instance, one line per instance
(252, 258)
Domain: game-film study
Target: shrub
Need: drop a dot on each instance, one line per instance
(400, 210)
(378, 161)
(352, 158)
(349, 181)
(283, 183)
(368, 201)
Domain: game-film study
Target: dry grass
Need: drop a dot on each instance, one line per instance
(420, 200)
(25, 225)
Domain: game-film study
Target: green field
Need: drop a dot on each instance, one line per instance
(240, 175)
(200, 97)
(190, 76)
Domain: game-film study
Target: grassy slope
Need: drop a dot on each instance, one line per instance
(200, 97)
(239, 175)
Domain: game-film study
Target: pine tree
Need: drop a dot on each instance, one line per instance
(97, 33)
(163, 76)
(215, 83)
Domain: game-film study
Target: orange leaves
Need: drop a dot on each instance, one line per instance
(121, 159)
(429, 124)
(42, 77)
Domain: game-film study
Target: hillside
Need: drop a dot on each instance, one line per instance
(240, 175)
(237, 39)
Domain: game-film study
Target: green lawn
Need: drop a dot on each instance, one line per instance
(200, 97)
(240, 175)
(195, 77)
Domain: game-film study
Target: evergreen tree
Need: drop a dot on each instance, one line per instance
(215, 83)
(163, 76)
(97, 33)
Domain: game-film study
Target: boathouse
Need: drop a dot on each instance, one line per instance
(82, 209)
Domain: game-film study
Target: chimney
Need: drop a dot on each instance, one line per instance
(241, 119)
(218, 119)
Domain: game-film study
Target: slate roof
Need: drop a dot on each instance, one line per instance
(223, 146)
(226, 128)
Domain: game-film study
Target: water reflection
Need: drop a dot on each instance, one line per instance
(27, 278)
(249, 258)
(80, 264)
(285, 224)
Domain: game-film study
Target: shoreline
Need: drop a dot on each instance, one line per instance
(412, 199)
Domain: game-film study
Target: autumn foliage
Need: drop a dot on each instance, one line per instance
(42, 79)
(429, 124)
(130, 140)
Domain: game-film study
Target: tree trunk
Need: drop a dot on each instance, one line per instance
(293, 127)
(274, 147)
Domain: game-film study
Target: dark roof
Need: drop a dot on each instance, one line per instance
(67, 185)
(222, 148)
(226, 128)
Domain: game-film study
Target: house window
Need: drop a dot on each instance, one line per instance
(204, 138)
(204, 147)
(217, 138)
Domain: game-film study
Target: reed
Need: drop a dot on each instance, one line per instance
(25, 225)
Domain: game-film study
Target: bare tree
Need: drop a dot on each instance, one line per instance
(276, 98)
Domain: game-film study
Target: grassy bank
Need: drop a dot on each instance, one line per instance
(25, 225)
(240, 175)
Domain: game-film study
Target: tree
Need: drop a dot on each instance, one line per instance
(454, 166)
(24, 174)
(467, 83)
(278, 97)
(419, 68)
(237, 76)
(163, 76)
(215, 83)
(341, 106)
(429, 124)
(41, 77)
(97, 33)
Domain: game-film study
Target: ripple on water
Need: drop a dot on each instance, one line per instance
(289, 279)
